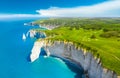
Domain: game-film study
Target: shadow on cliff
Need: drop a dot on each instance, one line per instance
(73, 66)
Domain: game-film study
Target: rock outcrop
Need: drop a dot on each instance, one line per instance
(35, 34)
(36, 50)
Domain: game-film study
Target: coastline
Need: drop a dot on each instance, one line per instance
(104, 69)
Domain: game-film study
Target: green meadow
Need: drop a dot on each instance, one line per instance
(100, 36)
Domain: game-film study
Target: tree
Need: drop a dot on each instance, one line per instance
(93, 36)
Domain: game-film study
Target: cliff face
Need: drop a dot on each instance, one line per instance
(90, 64)
(36, 34)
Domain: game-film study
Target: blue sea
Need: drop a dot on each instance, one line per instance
(14, 54)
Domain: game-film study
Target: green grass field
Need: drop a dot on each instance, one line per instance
(108, 48)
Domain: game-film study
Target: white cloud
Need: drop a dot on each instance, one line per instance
(110, 8)
(7, 16)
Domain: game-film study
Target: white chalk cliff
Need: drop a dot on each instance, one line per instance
(91, 65)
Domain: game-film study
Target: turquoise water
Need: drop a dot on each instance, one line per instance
(14, 54)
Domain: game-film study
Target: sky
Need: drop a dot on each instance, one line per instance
(59, 8)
